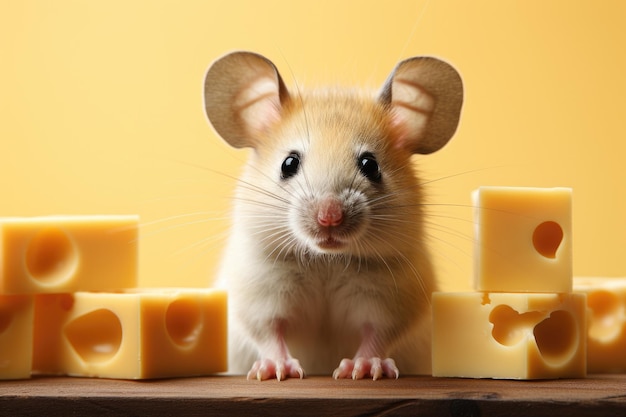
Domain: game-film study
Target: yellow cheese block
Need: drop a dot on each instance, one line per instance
(509, 335)
(58, 254)
(137, 334)
(16, 336)
(523, 239)
(606, 337)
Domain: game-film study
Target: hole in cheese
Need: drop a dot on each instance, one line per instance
(605, 323)
(183, 321)
(96, 336)
(11, 306)
(51, 257)
(5, 320)
(556, 337)
(547, 238)
(511, 327)
(486, 300)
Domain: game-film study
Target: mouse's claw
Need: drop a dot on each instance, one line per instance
(360, 368)
(268, 369)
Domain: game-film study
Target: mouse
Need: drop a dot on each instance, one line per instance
(327, 264)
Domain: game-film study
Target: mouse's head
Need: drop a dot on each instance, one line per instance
(331, 170)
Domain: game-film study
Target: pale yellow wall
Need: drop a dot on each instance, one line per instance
(101, 110)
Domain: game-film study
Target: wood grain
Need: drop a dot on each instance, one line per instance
(313, 396)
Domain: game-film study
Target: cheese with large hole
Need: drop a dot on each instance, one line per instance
(509, 335)
(60, 254)
(523, 240)
(137, 334)
(606, 333)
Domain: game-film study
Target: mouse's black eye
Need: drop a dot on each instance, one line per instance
(369, 167)
(290, 166)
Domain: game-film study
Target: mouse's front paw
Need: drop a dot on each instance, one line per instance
(280, 369)
(360, 368)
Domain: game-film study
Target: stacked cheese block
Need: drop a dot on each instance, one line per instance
(69, 305)
(606, 323)
(523, 321)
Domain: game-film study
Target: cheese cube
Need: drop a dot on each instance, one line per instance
(137, 334)
(523, 239)
(509, 335)
(16, 336)
(58, 254)
(606, 337)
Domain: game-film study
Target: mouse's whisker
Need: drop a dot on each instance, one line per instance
(450, 231)
(261, 191)
(180, 216)
(202, 243)
(164, 229)
(277, 240)
(267, 227)
(384, 261)
(396, 235)
(253, 187)
(384, 200)
(261, 203)
(458, 174)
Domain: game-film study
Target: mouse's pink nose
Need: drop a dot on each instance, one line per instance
(330, 212)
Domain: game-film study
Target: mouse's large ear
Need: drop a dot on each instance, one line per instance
(425, 95)
(243, 96)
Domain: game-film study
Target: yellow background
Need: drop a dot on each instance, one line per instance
(101, 110)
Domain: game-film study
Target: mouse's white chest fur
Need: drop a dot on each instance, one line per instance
(323, 305)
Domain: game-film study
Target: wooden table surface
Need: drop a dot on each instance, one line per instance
(313, 396)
